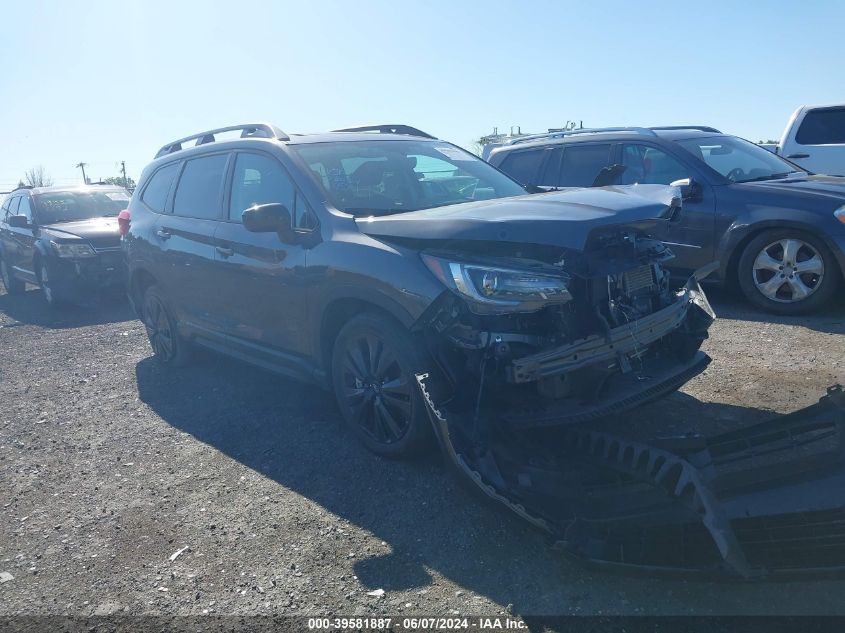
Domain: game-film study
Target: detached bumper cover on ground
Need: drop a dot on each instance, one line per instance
(764, 500)
(767, 499)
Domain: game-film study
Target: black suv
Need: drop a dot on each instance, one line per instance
(375, 259)
(776, 229)
(64, 239)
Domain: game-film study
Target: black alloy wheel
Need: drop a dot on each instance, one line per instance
(168, 347)
(374, 367)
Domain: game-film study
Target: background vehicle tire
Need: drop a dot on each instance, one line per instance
(374, 367)
(52, 298)
(13, 285)
(169, 348)
(787, 271)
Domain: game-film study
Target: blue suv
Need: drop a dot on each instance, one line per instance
(776, 229)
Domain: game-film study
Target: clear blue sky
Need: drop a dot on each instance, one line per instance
(102, 82)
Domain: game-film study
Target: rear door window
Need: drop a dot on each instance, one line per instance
(155, 193)
(200, 187)
(582, 163)
(649, 165)
(822, 127)
(524, 166)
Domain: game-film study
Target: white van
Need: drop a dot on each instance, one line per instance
(814, 138)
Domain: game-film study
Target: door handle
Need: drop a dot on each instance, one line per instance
(225, 252)
(798, 156)
(163, 234)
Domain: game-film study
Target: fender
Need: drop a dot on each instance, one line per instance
(405, 314)
(41, 250)
(759, 219)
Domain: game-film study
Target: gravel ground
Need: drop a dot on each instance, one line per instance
(224, 489)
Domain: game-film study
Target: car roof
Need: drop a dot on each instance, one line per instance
(641, 134)
(70, 188)
(343, 137)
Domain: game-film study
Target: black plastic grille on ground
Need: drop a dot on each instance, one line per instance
(802, 540)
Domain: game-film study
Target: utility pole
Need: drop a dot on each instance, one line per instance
(82, 167)
(123, 169)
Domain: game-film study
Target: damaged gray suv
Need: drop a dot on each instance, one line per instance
(363, 260)
(439, 300)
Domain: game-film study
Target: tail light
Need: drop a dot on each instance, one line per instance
(123, 221)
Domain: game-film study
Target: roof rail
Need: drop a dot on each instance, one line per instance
(586, 130)
(248, 130)
(23, 187)
(388, 129)
(701, 128)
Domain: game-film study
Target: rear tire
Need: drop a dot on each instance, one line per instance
(789, 272)
(374, 367)
(169, 348)
(13, 285)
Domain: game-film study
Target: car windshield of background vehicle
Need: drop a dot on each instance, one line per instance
(67, 206)
(739, 160)
(382, 177)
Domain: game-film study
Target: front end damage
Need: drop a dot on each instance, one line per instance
(509, 393)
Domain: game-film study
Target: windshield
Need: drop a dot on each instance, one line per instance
(738, 160)
(67, 206)
(381, 177)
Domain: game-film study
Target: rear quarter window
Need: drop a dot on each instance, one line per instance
(822, 127)
(157, 189)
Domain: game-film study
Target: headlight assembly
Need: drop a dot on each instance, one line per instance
(495, 289)
(73, 249)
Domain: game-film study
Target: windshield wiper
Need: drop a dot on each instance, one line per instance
(769, 177)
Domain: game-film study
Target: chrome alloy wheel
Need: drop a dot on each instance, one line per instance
(788, 271)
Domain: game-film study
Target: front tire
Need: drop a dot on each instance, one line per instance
(374, 367)
(47, 287)
(13, 285)
(787, 272)
(169, 348)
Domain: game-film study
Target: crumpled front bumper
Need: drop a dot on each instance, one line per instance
(619, 341)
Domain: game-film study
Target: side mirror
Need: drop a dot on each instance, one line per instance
(269, 218)
(18, 222)
(690, 189)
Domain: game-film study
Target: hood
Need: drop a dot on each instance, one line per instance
(561, 218)
(99, 232)
(823, 188)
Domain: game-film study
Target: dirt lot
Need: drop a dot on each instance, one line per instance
(110, 465)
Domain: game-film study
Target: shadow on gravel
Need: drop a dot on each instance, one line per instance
(291, 433)
(729, 304)
(31, 309)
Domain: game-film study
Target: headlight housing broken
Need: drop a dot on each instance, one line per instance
(494, 289)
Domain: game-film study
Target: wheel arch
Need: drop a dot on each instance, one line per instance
(739, 235)
(339, 310)
(139, 280)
